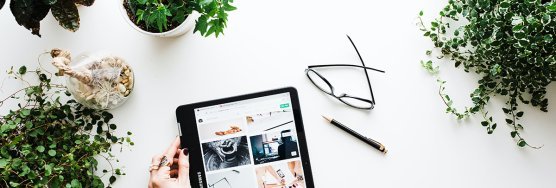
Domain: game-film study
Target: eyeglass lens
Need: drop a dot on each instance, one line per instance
(319, 81)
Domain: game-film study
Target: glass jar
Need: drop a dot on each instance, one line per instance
(106, 81)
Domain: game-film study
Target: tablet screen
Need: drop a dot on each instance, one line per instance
(250, 143)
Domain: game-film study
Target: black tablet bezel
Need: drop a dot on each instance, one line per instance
(189, 136)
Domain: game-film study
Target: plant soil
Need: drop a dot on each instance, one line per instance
(142, 25)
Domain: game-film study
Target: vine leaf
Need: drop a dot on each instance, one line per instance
(29, 13)
(65, 11)
(84, 2)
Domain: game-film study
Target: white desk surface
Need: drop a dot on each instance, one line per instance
(268, 44)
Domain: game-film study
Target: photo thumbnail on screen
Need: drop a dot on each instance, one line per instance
(226, 153)
(274, 146)
(282, 175)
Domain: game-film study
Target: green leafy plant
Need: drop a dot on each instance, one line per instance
(509, 43)
(164, 15)
(47, 141)
(29, 13)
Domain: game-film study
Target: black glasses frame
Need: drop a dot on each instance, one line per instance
(341, 97)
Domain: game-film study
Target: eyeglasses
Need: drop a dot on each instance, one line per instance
(325, 86)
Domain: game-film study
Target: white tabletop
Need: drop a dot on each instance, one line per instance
(268, 44)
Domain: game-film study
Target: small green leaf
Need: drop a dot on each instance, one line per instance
(113, 126)
(52, 153)
(519, 114)
(22, 70)
(40, 149)
(75, 183)
(484, 123)
(505, 4)
(25, 112)
(552, 7)
(112, 179)
(513, 134)
(3, 163)
(509, 121)
(521, 143)
(421, 13)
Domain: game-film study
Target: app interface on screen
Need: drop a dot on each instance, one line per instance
(251, 143)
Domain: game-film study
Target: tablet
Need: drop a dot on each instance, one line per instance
(250, 141)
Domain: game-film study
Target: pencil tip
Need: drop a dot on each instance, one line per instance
(327, 119)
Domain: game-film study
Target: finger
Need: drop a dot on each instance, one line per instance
(183, 169)
(171, 151)
(163, 171)
(155, 162)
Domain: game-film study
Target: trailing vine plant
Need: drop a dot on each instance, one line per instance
(50, 141)
(510, 43)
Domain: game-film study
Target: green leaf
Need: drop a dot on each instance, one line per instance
(505, 4)
(52, 153)
(3, 163)
(113, 126)
(519, 114)
(75, 183)
(513, 134)
(22, 70)
(48, 169)
(25, 112)
(65, 11)
(509, 121)
(40, 149)
(201, 24)
(521, 143)
(552, 7)
(112, 179)
(484, 123)
(229, 8)
(421, 13)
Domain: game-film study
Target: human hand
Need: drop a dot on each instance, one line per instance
(173, 175)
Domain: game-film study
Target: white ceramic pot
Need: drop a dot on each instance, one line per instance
(183, 28)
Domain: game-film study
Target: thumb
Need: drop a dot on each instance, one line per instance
(183, 169)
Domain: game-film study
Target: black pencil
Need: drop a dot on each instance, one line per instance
(369, 141)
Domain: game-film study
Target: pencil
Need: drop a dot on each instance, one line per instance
(367, 140)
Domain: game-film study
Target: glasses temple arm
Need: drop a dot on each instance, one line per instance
(345, 65)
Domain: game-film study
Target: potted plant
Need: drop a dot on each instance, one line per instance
(29, 13)
(172, 18)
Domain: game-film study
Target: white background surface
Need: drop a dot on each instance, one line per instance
(268, 44)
